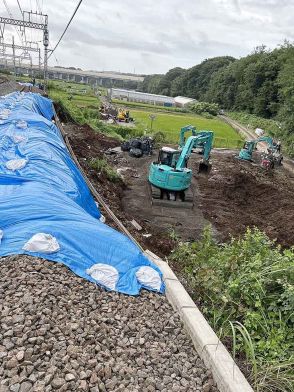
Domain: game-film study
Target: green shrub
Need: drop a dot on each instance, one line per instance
(159, 137)
(248, 282)
(101, 165)
(204, 107)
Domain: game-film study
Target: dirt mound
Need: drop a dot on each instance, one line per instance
(239, 194)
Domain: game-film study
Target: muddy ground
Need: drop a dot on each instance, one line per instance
(88, 144)
(233, 196)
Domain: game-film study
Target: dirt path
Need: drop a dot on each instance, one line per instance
(186, 223)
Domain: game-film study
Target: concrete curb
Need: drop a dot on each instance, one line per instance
(226, 373)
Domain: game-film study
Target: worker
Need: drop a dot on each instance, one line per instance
(278, 147)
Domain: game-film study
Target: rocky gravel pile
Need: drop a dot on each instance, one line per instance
(7, 86)
(60, 332)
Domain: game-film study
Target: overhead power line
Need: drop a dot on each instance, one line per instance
(19, 6)
(11, 16)
(67, 26)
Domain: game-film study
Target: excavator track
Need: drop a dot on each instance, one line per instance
(158, 200)
(189, 195)
(155, 192)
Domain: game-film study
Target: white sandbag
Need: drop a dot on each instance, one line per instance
(104, 274)
(148, 277)
(42, 243)
(16, 164)
(102, 218)
(1, 235)
(259, 131)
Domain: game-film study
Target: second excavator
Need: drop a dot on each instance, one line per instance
(271, 157)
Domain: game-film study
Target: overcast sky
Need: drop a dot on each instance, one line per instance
(152, 36)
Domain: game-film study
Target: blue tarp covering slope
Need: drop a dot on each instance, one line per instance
(47, 194)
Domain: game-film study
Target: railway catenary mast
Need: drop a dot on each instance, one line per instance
(28, 22)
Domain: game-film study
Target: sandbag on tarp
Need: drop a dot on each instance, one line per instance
(49, 200)
(47, 157)
(28, 101)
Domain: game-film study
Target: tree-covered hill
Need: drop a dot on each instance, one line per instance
(261, 83)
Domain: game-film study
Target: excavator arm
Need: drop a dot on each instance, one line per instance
(185, 129)
(203, 139)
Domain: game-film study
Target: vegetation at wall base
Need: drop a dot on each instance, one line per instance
(101, 166)
(245, 288)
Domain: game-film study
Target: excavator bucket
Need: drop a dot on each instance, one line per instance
(204, 167)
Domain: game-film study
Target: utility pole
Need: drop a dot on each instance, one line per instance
(46, 44)
(13, 51)
(39, 72)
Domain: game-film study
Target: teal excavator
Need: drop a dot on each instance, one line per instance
(169, 176)
(183, 131)
(272, 156)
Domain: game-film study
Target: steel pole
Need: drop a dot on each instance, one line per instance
(13, 51)
(46, 44)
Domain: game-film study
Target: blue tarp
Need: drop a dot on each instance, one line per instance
(49, 195)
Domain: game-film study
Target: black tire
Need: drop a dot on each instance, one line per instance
(125, 146)
(135, 143)
(135, 152)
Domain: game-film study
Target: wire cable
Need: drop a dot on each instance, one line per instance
(11, 17)
(67, 26)
(19, 6)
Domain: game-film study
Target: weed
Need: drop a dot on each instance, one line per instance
(246, 290)
(101, 165)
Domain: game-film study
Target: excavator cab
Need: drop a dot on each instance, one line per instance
(168, 156)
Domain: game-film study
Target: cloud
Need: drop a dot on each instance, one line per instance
(154, 36)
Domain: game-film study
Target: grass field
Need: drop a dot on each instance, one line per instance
(166, 121)
(170, 125)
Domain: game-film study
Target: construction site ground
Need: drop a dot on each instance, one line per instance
(233, 196)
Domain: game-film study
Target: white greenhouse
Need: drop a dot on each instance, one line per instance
(137, 96)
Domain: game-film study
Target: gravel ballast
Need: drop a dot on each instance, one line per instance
(60, 332)
(7, 86)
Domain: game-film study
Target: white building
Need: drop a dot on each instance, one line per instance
(183, 101)
(137, 96)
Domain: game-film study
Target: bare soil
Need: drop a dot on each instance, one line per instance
(241, 194)
(233, 196)
(88, 144)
